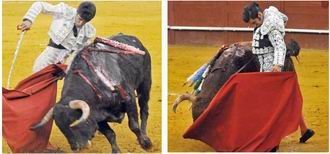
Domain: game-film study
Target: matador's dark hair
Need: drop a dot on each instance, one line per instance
(250, 11)
(87, 10)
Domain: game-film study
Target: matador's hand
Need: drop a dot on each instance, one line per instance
(25, 25)
(276, 68)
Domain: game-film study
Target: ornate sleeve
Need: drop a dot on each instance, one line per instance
(277, 40)
(45, 8)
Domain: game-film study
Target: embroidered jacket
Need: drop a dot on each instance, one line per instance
(269, 37)
(61, 27)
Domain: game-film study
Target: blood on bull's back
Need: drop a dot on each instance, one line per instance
(112, 69)
(101, 82)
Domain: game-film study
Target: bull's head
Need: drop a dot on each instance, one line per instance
(73, 121)
(232, 59)
(225, 63)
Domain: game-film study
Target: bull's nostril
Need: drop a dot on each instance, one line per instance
(75, 147)
(75, 150)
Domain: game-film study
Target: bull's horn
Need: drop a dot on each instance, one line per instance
(175, 104)
(79, 104)
(182, 98)
(44, 120)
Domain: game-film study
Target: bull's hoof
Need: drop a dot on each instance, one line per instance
(145, 142)
(75, 147)
(116, 150)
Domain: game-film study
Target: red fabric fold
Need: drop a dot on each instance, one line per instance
(26, 105)
(251, 112)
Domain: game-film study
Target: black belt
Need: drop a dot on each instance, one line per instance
(59, 46)
(54, 45)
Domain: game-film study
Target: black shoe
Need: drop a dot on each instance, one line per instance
(275, 149)
(307, 135)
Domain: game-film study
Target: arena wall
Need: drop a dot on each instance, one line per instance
(302, 15)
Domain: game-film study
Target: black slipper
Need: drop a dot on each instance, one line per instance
(307, 135)
(275, 149)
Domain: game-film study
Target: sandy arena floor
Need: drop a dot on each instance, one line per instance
(313, 78)
(142, 19)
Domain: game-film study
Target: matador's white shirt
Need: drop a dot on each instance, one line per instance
(61, 27)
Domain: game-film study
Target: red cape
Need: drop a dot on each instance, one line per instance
(26, 105)
(251, 112)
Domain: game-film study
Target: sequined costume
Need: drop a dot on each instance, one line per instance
(268, 39)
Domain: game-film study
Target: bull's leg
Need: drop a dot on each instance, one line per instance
(143, 95)
(63, 125)
(106, 130)
(133, 123)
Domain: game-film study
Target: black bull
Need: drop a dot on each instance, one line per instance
(226, 62)
(90, 101)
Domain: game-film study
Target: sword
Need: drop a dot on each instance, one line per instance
(15, 56)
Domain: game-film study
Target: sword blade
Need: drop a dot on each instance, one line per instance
(15, 56)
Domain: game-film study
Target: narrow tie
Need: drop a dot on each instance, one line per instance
(75, 31)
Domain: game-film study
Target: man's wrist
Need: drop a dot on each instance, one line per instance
(277, 68)
(25, 19)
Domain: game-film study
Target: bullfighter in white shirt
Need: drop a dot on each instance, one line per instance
(70, 30)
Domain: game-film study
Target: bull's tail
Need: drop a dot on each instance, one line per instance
(292, 48)
(181, 98)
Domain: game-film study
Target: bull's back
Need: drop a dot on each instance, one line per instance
(134, 67)
(120, 69)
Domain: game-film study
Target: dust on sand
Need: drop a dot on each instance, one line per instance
(141, 19)
(313, 78)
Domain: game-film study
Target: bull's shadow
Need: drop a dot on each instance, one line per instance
(100, 87)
